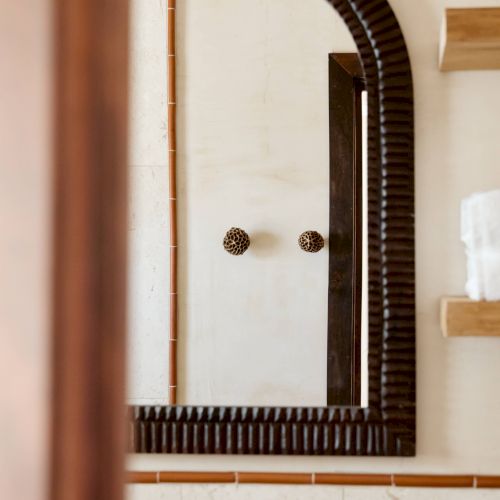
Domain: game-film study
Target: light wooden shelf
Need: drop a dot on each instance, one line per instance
(462, 317)
(470, 39)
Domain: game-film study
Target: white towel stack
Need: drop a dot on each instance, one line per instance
(481, 235)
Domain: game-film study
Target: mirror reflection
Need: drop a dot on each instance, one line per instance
(271, 136)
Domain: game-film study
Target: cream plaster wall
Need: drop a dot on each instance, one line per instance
(148, 227)
(263, 492)
(457, 152)
(254, 152)
(25, 143)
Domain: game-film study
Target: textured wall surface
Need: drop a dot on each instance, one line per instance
(148, 249)
(457, 151)
(259, 492)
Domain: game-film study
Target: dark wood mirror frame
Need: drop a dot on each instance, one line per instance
(387, 426)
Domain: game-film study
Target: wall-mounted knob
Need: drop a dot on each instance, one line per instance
(311, 241)
(236, 241)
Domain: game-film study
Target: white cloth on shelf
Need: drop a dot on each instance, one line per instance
(481, 235)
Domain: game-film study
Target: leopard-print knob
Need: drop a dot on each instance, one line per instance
(236, 241)
(311, 241)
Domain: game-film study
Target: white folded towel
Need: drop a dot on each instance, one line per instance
(481, 235)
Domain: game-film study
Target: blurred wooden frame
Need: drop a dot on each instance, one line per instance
(90, 241)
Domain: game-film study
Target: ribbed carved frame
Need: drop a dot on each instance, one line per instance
(387, 426)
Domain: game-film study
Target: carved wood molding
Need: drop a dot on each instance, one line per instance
(387, 427)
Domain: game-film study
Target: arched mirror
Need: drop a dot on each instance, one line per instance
(272, 289)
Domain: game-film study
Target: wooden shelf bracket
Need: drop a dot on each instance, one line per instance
(462, 317)
(470, 39)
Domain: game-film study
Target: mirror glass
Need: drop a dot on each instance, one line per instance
(271, 138)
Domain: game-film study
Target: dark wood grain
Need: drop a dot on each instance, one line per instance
(387, 426)
(346, 84)
(90, 217)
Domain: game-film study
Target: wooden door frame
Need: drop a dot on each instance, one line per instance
(89, 249)
(346, 84)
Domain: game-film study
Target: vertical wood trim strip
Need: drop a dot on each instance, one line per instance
(89, 249)
(172, 162)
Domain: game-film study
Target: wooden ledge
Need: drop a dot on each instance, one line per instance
(470, 39)
(462, 317)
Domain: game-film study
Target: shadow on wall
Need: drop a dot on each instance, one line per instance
(263, 243)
